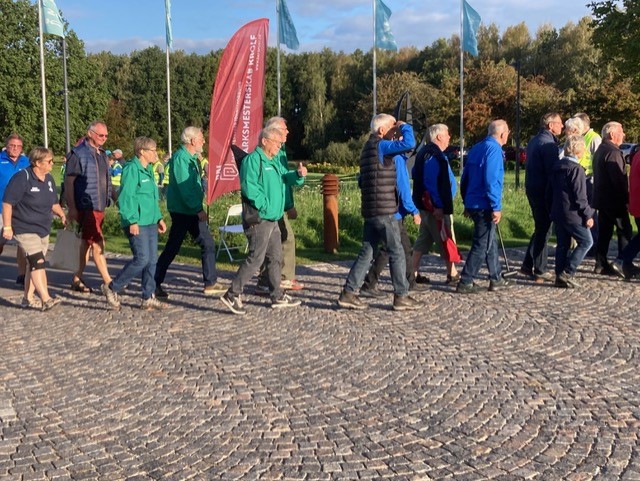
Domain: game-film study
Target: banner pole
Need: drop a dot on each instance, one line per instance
(44, 90)
(375, 90)
(168, 103)
(461, 87)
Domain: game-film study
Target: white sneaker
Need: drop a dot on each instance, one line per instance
(285, 301)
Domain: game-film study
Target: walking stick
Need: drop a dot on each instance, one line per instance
(509, 272)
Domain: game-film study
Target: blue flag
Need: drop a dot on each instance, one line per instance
(287, 31)
(52, 22)
(384, 38)
(471, 22)
(167, 7)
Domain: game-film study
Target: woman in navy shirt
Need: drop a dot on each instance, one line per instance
(29, 203)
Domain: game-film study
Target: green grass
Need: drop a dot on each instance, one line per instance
(516, 225)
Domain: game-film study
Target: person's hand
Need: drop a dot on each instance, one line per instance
(496, 216)
(589, 223)
(302, 170)
(202, 216)
(63, 219)
(417, 219)
(292, 213)
(162, 227)
(134, 229)
(399, 123)
(7, 233)
(438, 213)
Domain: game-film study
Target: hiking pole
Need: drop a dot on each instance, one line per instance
(509, 272)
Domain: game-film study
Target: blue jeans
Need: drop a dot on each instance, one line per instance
(568, 262)
(144, 247)
(380, 229)
(180, 225)
(265, 246)
(484, 248)
(631, 250)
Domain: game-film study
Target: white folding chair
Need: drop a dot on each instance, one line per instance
(235, 211)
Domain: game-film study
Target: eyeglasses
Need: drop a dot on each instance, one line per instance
(279, 142)
(14, 146)
(50, 161)
(102, 136)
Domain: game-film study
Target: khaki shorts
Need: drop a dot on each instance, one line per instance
(33, 243)
(429, 233)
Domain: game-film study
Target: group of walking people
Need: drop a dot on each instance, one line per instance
(580, 187)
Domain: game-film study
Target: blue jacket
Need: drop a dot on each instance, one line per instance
(92, 180)
(483, 176)
(542, 153)
(440, 182)
(8, 168)
(406, 205)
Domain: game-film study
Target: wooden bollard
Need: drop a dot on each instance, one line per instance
(330, 189)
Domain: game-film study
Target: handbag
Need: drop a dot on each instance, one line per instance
(66, 252)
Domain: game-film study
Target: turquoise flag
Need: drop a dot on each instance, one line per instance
(384, 38)
(287, 31)
(52, 21)
(167, 7)
(471, 22)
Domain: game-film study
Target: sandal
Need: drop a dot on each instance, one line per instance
(79, 286)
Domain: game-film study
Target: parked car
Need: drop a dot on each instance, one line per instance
(453, 152)
(627, 149)
(510, 154)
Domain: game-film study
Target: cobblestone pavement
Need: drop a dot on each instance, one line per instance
(530, 383)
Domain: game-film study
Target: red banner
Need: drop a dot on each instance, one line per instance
(237, 105)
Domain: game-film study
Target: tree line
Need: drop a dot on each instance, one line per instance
(326, 95)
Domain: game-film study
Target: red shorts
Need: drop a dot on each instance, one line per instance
(91, 223)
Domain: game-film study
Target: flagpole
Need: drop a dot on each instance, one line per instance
(66, 96)
(375, 90)
(461, 86)
(44, 93)
(278, 58)
(168, 103)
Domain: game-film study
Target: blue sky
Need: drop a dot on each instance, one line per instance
(121, 26)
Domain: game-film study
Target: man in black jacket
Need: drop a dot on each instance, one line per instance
(542, 153)
(440, 181)
(611, 197)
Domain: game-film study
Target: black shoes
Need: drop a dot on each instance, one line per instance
(500, 284)
(565, 281)
(161, 293)
(234, 303)
(468, 288)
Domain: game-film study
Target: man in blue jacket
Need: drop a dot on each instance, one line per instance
(542, 154)
(12, 160)
(481, 188)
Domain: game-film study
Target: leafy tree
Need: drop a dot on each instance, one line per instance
(617, 32)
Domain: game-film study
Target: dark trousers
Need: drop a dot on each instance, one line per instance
(535, 260)
(381, 260)
(484, 248)
(180, 225)
(606, 224)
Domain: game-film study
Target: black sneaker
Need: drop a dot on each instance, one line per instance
(500, 284)
(630, 271)
(372, 292)
(350, 301)
(285, 301)
(234, 303)
(420, 279)
(565, 281)
(161, 293)
(472, 288)
(612, 269)
(405, 303)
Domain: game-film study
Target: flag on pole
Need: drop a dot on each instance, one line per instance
(167, 7)
(52, 21)
(286, 30)
(384, 38)
(471, 22)
(237, 105)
